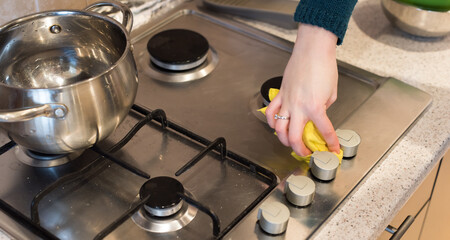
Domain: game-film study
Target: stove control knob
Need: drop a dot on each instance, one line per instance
(324, 165)
(273, 217)
(299, 190)
(349, 141)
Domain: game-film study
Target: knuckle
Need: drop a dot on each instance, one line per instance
(280, 129)
(295, 139)
(327, 134)
(284, 142)
(269, 121)
(269, 110)
(314, 108)
(301, 151)
(333, 98)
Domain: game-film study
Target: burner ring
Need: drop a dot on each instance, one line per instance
(179, 67)
(36, 159)
(197, 73)
(165, 224)
(164, 199)
(164, 212)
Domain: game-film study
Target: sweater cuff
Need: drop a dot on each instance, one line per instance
(334, 19)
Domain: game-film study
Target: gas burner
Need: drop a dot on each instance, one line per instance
(37, 159)
(261, 99)
(164, 199)
(274, 82)
(179, 55)
(178, 49)
(165, 211)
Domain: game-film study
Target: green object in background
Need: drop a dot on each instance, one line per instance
(434, 5)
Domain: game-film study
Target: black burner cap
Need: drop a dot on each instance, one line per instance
(267, 85)
(163, 192)
(178, 46)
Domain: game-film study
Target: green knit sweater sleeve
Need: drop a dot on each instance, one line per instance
(332, 15)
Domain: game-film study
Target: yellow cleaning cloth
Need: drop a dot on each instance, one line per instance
(311, 135)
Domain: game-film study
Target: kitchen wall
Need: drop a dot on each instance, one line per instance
(10, 10)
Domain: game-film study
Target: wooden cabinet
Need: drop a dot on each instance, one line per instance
(416, 205)
(436, 224)
(429, 205)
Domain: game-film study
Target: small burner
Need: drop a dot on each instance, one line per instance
(178, 49)
(267, 85)
(37, 159)
(164, 199)
(261, 98)
(165, 211)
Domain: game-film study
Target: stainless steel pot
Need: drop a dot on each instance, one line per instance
(67, 78)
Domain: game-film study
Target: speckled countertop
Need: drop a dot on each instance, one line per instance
(373, 44)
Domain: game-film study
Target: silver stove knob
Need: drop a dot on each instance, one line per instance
(324, 165)
(273, 217)
(299, 190)
(349, 141)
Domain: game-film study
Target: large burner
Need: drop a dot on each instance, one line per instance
(37, 159)
(178, 49)
(178, 55)
(165, 211)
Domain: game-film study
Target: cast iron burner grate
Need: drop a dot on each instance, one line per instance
(218, 145)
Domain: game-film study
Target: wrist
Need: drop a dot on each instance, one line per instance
(315, 40)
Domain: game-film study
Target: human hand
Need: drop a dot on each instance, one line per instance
(308, 88)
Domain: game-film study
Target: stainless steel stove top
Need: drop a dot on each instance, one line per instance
(218, 101)
(83, 199)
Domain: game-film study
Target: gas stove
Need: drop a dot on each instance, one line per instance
(194, 159)
(176, 183)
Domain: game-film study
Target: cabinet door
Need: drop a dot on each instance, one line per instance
(437, 221)
(416, 202)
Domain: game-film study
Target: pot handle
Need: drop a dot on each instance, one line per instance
(127, 16)
(51, 110)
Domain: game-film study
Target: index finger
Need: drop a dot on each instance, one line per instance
(296, 127)
(327, 131)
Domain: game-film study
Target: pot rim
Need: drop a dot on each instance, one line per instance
(16, 22)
